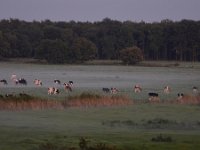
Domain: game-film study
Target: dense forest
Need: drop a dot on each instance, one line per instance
(69, 42)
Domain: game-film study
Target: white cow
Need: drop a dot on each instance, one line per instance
(137, 88)
(13, 77)
(167, 89)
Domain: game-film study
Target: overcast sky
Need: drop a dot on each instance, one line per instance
(96, 10)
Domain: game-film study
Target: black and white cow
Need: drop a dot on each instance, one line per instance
(153, 97)
(180, 96)
(68, 87)
(3, 81)
(56, 81)
(71, 83)
(21, 81)
(114, 90)
(106, 90)
(195, 89)
(53, 90)
(37, 82)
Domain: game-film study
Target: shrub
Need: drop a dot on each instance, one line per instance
(161, 138)
(131, 55)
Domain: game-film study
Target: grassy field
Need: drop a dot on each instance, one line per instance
(135, 126)
(127, 127)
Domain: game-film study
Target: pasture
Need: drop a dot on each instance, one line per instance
(135, 126)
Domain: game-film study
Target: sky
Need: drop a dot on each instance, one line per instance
(97, 10)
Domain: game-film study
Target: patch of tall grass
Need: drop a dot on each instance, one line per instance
(94, 100)
(25, 102)
(84, 144)
(189, 99)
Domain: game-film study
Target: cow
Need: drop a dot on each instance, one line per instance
(137, 88)
(114, 90)
(153, 97)
(37, 82)
(57, 81)
(106, 90)
(71, 83)
(3, 81)
(13, 77)
(21, 81)
(9, 95)
(180, 96)
(53, 90)
(194, 89)
(153, 94)
(167, 90)
(68, 87)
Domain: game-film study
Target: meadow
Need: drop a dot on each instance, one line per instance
(134, 126)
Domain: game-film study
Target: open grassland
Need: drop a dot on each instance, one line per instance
(125, 127)
(87, 118)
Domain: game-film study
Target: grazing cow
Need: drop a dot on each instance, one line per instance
(153, 97)
(57, 81)
(180, 96)
(194, 89)
(167, 90)
(137, 88)
(13, 77)
(71, 83)
(9, 95)
(38, 82)
(114, 90)
(3, 81)
(53, 90)
(68, 87)
(106, 90)
(21, 81)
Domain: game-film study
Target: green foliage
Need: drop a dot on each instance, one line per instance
(83, 49)
(161, 138)
(166, 40)
(83, 144)
(131, 55)
(54, 51)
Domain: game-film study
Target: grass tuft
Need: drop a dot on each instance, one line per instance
(161, 138)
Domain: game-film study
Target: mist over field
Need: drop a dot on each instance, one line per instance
(94, 78)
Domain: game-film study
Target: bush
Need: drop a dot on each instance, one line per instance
(131, 55)
(161, 138)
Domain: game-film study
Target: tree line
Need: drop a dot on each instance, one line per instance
(71, 42)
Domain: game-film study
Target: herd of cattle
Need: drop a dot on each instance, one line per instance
(69, 85)
(51, 90)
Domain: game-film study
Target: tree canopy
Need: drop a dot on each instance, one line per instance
(67, 42)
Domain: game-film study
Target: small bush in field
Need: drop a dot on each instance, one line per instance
(48, 146)
(161, 138)
(83, 144)
(118, 123)
(160, 123)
